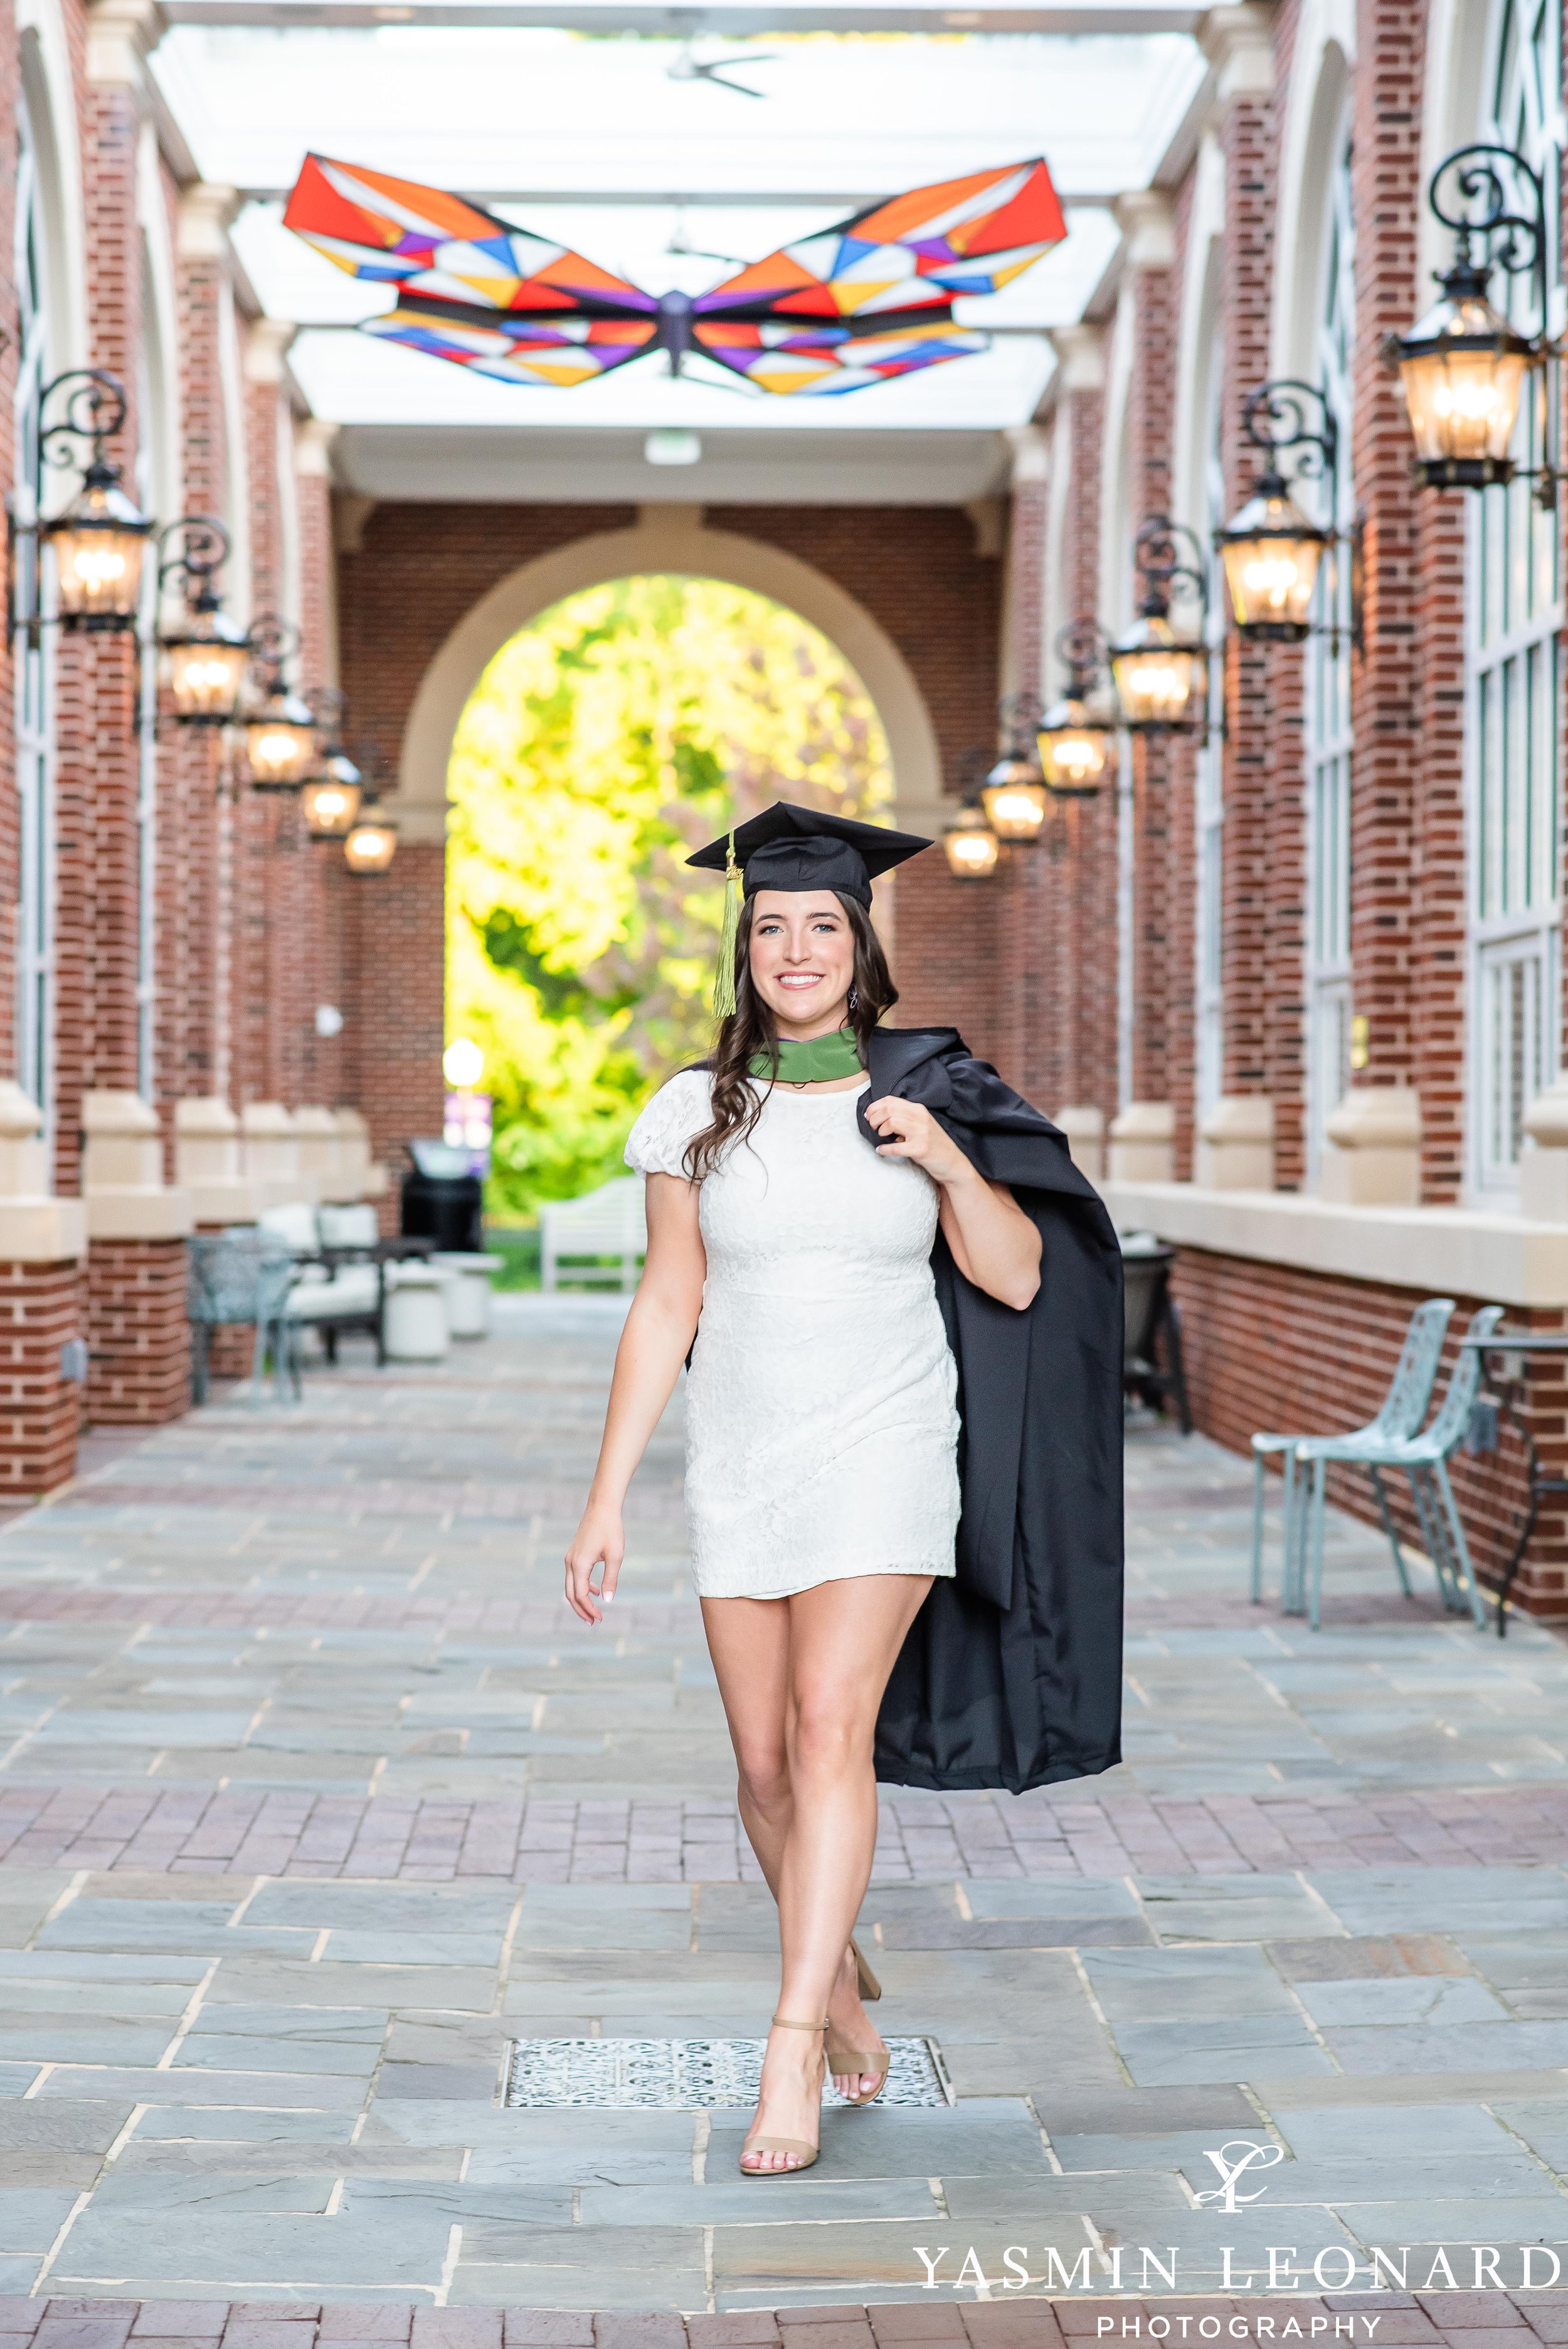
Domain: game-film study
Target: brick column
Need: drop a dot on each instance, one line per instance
(397, 920)
(1084, 944)
(1437, 876)
(1162, 765)
(264, 828)
(43, 1241)
(1385, 683)
(98, 770)
(189, 898)
(312, 1070)
(139, 1337)
(1025, 881)
(1240, 44)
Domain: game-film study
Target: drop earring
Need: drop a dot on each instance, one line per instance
(853, 1000)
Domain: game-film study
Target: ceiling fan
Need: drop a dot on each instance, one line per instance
(686, 68)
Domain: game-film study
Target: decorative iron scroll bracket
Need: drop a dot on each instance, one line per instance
(1166, 552)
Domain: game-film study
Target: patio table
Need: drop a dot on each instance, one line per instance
(1506, 1393)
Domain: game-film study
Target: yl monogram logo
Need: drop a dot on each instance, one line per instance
(1225, 2160)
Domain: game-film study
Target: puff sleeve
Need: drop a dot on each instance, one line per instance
(657, 1144)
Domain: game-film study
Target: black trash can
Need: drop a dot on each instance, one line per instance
(442, 1199)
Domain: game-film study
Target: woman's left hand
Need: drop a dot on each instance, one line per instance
(910, 1131)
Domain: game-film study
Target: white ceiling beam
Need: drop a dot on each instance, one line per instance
(723, 19)
(791, 199)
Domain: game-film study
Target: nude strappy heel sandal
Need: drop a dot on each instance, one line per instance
(843, 2059)
(866, 1982)
(808, 2153)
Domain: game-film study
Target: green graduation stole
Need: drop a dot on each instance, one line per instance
(812, 1063)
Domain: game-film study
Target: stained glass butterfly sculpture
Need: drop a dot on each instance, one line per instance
(855, 305)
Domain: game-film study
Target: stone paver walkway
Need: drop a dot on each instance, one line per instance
(314, 1798)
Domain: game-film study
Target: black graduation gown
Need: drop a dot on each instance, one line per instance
(1011, 1675)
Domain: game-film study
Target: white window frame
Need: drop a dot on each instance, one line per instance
(1209, 788)
(1329, 738)
(34, 653)
(1513, 685)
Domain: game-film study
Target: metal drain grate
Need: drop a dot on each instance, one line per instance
(682, 2075)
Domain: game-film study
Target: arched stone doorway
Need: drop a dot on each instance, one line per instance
(911, 595)
(619, 728)
(665, 539)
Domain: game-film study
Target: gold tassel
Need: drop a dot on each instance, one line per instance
(729, 931)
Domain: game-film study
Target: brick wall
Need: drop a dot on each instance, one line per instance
(138, 1339)
(1268, 1347)
(393, 1001)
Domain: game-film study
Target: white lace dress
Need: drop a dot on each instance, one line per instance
(821, 1429)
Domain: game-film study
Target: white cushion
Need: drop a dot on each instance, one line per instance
(355, 1290)
(293, 1224)
(349, 1226)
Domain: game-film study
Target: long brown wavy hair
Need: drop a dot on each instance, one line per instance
(738, 1096)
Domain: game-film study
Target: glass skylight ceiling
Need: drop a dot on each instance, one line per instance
(608, 143)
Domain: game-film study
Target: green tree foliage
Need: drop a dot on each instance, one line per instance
(627, 725)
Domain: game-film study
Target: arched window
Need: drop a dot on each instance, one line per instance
(34, 656)
(1328, 739)
(1514, 611)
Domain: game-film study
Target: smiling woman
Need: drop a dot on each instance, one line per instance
(625, 724)
(850, 1228)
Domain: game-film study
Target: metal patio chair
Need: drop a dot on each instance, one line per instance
(243, 1278)
(1424, 1458)
(1151, 1366)
(1400, 1414)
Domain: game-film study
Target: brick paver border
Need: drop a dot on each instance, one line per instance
(189, 1829)
(1455, 2320)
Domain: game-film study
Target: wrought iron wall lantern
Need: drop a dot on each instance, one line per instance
(205, 658)
(330, 799)
(970, 846)
(279, 733)
(372, 841)
(99, 541)
(1014, 792)
(1076, 737)
(1271, 551)
(1161, 677)
(1463, 366)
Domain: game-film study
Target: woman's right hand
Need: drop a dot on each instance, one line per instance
(600, 1538)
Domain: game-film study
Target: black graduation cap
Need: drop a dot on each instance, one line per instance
(797, 848)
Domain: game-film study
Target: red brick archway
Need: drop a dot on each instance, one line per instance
(412, 574)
